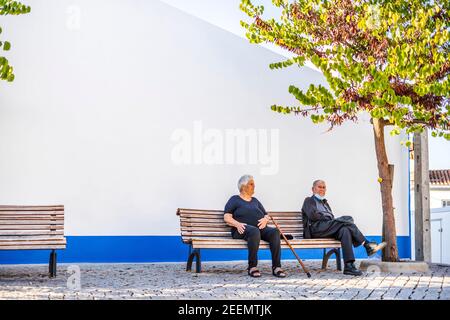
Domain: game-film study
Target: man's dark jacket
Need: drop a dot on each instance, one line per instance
(317, 217)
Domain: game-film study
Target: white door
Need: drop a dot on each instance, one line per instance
(436, 240)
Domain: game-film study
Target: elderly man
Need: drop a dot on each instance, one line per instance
(249, 220)
(319, 222)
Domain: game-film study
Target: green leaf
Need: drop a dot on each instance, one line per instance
(388, 65)
(6, 46)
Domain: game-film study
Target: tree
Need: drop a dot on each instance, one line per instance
(386, 58)
(13, 8)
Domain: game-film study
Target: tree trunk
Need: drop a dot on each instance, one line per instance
(386, 173)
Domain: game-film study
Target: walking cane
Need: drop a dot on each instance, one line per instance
(292, 249)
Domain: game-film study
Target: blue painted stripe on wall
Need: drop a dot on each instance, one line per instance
(110, 249)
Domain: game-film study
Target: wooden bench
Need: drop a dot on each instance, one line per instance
(206, 229)
(33, 228)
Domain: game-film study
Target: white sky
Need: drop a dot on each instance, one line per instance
(226, 15)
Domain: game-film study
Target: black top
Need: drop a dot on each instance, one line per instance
(317, 210)
(248, 212)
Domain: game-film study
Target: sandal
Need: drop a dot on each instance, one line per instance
(254, 273)
(279, 273)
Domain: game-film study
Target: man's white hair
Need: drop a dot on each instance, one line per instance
(244, 180)
(316, 182)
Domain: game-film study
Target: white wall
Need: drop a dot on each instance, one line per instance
(89, 119)
(437, 195)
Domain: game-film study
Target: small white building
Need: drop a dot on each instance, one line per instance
(440, 214)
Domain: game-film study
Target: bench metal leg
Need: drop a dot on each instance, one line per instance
(190, 259)
(324, 264)
(338, 259)
(198, 264)
(327, 255)
(52, 264)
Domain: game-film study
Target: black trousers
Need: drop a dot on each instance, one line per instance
(347, 233)
(253, 236)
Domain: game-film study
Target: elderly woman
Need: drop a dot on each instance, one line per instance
(249, 220)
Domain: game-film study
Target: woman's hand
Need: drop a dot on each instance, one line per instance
(228, 218)
(262, 223)
(240, 227)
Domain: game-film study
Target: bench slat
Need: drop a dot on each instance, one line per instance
(284, 212)
(223, 225)
(29, 232)
(316, 245)
(4, 239)
(298, 242)
(204, 220)
(222, 222)
(41, 217)
(316, 240)
(223, 234)
(60, 241)
(202, 216)
(33, 219)
(262, 246)
(31, 222)
(31, 227)
(207, 212)
(237, 243)
(30, 214)
(181, 211)
(221, 215)
(228, 229)
(33, 247)
(33, 242)
(31, 208)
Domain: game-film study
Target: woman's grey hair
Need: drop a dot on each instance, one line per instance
(244, 180)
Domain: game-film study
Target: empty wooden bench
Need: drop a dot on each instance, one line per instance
(206, 229)
(33, 228)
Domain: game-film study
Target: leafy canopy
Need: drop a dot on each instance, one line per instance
(387, 58)
(9, 7)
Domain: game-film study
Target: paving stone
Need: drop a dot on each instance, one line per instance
(219, 280)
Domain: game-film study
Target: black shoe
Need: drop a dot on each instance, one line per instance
(351, 270)
(373, 247)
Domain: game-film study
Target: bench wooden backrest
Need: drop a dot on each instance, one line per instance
(206, 224)
(32, 227)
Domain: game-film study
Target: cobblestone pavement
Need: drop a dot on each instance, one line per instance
(219, 280)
